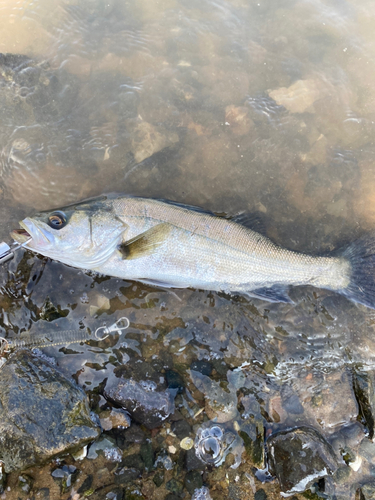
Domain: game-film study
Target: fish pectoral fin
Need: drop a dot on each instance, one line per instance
(275, 293)
(145, 243)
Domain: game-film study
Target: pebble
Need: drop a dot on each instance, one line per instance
(186, 443)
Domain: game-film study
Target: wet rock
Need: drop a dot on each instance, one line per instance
(181, 428)
(146, 139)
(126, 475)
(299, 97)
(219, 404)
(134, 434)
(260, 494)
(367, 491)
(237, 118)
(333, 402)
(364, 390)
(193, 481)
(252, 431)
(174, 380)
(108, 447)
(158, 478)
(43, 494)
(147, 454)
(42, 414)
(114, 419)
(367, 450)
(25, 483)
(298, 457)
(65, 476)
(202, 493)
(145, 404)
(115, 494)
(174, 486)
(192, 462)
(202, 366)
(2, 478)
(86, 486)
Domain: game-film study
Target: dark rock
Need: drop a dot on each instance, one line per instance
(174, 486)
(2, 478)
(174, 381)
(193, 481)
(367, 491)
(42, 414)
(252, 431)
(364, 390)
(145, 404)
(204, 367)
(86, 485)
(126, 475)
(158, 478)
(181, 428)
(192, 462)
(299, 457)
(147, 454)
(134, 461)
(172, 496)
(134, 434)
(260, 494)
(42, 494)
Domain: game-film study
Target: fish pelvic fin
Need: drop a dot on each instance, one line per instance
(145, 243)
(361, 257)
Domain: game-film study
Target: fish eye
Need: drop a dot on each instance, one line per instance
(57, 220)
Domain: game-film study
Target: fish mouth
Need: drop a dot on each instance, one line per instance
(21, 235)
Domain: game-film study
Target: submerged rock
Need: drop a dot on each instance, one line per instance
(114, 419)
(299, 457)
(364, 390)
(146, 404)
(367, 492)
(42, 413)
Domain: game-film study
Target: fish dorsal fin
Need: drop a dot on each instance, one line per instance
(275, 293)
(193, 208)
(252, 221)
(145, 243)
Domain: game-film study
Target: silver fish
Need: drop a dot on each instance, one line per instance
(173, 245)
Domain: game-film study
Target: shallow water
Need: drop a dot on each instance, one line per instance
(231, 105)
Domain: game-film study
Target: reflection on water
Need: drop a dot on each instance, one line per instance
(230, 104)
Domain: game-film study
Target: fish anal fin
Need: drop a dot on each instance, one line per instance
(145, 243)
(275, 293)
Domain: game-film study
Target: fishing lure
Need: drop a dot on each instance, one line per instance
(30, 341)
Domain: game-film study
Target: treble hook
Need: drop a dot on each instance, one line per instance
(116, 327)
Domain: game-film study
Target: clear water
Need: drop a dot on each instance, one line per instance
(234, 105)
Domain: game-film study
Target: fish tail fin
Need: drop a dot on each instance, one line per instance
(361, 256)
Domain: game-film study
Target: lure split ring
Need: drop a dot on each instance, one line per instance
(116, 327)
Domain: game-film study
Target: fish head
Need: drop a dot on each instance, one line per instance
(83, 235)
